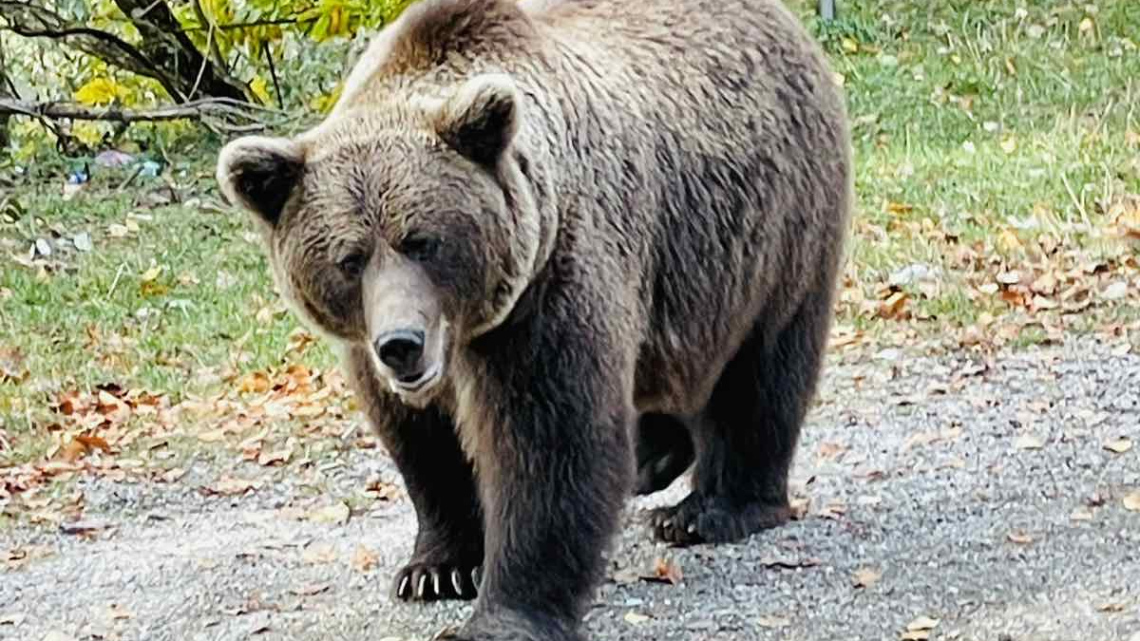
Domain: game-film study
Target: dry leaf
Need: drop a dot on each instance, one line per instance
(363, 559)
(635, 618)
(12, 619)
(231, 486)
(319, 553)
(1029, 442)
(828, 450)
(664, 571)
(894, 306)
(335, 514)
(919, 629)
(1020, 537)
(312, 589)
(1119, 445)
(867, 577)
(1111, 606)
(274, 458)
(773, 622)
(1132, 502)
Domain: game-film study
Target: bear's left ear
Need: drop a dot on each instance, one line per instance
(481, 119)
(260, 173)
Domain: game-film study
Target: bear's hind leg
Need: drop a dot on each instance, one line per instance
(748, 436)
(664, 451)
(448, 552)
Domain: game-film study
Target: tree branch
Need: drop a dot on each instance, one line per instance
(166, 54)
(224, 114)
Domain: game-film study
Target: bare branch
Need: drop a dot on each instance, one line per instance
(166, 54)
(223, 114)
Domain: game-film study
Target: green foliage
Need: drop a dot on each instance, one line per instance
(305, 41)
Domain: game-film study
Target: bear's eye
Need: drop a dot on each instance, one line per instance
(352, 265)
(420, 247)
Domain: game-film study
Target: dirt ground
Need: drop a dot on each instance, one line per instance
(966, 499)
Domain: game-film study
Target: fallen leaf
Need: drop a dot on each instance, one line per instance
(1029, 442)
(117, 612)
(231, 486)
(364, 559)
(173, 474)
(274, 458)
(828, 450)
(867, 577)
(1081, 514)
(151, 274)
(664, 571)
(894, 306)
(334, 514)
(1132, 502)
(1111, 606)
(312, 589)
(12, 619)
(1119, 445)
(773, 622)
(319, 553)
(1020, 537)
(919, 629)
(923, 623)
(635, 618)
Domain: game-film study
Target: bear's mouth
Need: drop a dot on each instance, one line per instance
(417, 382)
(415, 388)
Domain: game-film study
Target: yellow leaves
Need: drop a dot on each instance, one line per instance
(100, 91)
(325, 102)
(1009, 144)
(260, 89)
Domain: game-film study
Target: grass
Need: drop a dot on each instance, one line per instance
(979, 126)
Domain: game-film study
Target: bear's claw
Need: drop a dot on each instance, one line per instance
(429, 582)
(713, 519)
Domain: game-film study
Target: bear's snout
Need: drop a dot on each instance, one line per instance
(402, 350)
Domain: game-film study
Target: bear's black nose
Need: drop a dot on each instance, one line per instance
(401, 350)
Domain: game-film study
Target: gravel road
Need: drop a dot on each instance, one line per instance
(979, 495)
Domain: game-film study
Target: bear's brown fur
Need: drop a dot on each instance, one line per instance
(542, 231)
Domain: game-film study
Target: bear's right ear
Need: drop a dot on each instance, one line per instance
(260, 173)
(481, 119)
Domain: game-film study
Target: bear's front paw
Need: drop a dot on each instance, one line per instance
(436, 582)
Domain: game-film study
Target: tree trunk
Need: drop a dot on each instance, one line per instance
(166, 53)
(168, 46)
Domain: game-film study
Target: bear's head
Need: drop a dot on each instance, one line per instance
(408, 227)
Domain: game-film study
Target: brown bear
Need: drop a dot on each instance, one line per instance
(567, 249)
